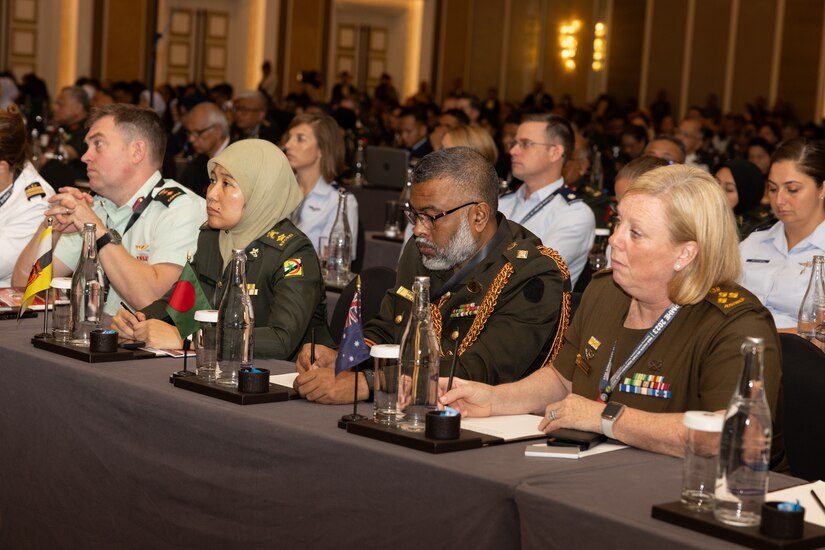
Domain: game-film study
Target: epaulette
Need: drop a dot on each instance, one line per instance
(276, 239)
(570, 195)
(34, 190)
(729, 299)
(166, 195)
(762, 226)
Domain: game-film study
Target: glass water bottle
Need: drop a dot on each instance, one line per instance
(418, 386)
(87, 290)
(811, 320)
(339, 251)
(236, 322)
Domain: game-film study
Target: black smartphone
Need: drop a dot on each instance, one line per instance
(133, 344)
(575, 438)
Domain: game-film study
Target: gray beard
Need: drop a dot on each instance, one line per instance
(459, 249)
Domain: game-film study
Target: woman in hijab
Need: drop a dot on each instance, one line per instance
(252, 191)
(743, 184)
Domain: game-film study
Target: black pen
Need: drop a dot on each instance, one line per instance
(452, 367)
(127, 308)
(818, 501)
(312, 347)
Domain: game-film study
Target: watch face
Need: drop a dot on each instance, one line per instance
(611, 410)
(116, 238)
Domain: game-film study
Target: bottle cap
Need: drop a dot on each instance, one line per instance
(602, 232)
(385, 351)
(206, 315)
(704, 421)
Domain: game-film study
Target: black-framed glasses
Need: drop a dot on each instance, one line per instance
(426, 219)
(198, 133)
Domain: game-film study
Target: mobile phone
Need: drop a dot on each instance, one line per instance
(133, 344)
(543, 450)
(574, 438)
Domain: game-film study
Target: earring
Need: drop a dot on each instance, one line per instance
(678, 266)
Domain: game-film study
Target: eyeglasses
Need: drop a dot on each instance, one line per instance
(427, 220)
(526, 144)
(198, 133)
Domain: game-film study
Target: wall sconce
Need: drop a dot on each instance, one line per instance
(569, 43)
(599, 46)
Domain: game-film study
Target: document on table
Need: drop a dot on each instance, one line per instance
(283, 379)
(548, 451)
(813, 511)
(512, 427)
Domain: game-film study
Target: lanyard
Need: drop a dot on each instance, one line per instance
(477, 259)
(608, 383)
(5, 196)
(541, 205)
(142, 206)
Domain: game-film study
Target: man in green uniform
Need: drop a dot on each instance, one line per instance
(495, 290)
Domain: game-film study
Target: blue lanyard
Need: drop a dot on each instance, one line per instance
(541, 205)
(608, 383)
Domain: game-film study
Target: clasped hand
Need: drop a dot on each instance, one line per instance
(70, 209)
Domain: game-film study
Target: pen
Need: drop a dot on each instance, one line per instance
(818, 501)
(312, 347)
(452, 366)
(127, 308)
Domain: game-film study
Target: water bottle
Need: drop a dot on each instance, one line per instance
(86, 305)
(359, 165)
(811, 320)
(598, 254)
(418, 386)
(236, 322)
(339, 251)
(745, 449)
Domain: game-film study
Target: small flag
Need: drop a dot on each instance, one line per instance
(40, 277)
(353, 349)
(186, 299)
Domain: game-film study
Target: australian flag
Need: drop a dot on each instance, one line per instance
(353, 349)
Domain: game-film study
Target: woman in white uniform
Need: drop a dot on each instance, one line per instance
(777, 261)
(23, 192)
(315, 151)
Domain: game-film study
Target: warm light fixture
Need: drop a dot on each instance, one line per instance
(599, 46)
(569, 43)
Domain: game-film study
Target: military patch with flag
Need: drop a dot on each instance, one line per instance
(353, 349)
(293, 268)
(186, 299)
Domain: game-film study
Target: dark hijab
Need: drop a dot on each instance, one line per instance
(750, 184)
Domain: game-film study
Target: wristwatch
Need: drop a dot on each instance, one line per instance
(610, 414)
(370, 376)
(111, 236)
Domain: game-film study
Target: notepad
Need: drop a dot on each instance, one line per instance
(283, 379)
(542, 450)
(513, 427)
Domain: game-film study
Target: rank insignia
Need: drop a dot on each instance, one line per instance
(404, 293)
(271, 234)
(593, 342)
(251, 289)
(511, 246)
(293, 268)
(589, 353)
(521, 254)
(167, 195)
(34, 190)
(581, 365)
(654, 365)
(473, 287)
(465, 310)
(254, 252)
(283, 238)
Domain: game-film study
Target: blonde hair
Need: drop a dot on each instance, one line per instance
(695, 210)
(475, 138)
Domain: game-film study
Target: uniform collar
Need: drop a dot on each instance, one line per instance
(775, 236)
(540, 194)
(125, 211)
(322, 189)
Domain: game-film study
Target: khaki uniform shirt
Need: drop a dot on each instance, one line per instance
(508, 313)
(284, 283)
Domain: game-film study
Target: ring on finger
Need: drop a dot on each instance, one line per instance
(552, 414)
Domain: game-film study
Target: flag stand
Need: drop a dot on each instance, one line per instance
(185, 372)
(45, 333)
(354, 417)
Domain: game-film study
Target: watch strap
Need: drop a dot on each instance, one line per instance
(105, 239)
(607, 422)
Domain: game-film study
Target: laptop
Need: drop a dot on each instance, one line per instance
(387, 167)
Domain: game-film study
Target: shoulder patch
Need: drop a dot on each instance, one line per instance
(166, 195)
(728, 299)
(570, 195)
(277, 239)
(34, 190)
(293, 267)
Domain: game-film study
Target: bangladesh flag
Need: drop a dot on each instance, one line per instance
(187, 298)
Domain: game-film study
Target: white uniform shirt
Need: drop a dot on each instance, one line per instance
(316, 214)
(162, 234)
(777, 276)
(566, 227)
(20, 217)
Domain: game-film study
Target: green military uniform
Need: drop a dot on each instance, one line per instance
(284, 283)
(757, 219)
(598, 200)
(508, 313)
(694, 364)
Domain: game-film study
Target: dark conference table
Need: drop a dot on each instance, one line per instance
(111, 455)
